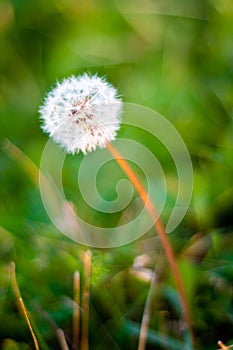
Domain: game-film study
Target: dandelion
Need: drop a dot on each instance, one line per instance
(84, 112)
(81, 113)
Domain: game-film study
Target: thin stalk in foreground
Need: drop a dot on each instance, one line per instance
(76, 311)
(85, 299)
(146, 314)
(58, 331)
(161, 232)
(62, 339)
(223, 346)
(22, 305)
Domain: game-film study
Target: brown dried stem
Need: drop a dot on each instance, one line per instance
(62, 339)
(85, 299)
(146, 315)
(76, 311)
(223, 346)
(21, 304)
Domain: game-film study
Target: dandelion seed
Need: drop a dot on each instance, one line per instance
(81, 113)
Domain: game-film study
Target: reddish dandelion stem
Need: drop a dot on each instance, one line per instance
(160, 230)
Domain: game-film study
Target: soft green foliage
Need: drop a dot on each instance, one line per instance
(173, 56)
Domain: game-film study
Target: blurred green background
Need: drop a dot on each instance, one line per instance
(173, 56)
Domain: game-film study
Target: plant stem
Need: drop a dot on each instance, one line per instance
(62, 339)
(146, 315)
(161, 232)
(85, 299)
(76, 311)
(222, 346)
(22, 305)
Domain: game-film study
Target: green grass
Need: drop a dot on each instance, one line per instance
(174, 57)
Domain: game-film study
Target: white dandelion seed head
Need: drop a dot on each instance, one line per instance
(81, 113)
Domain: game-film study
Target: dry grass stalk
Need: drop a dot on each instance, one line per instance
(146, 315)
(21, 304)
(62, 339)
(85, 299)
(58, 331)
(223, 346)
(76, 311)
